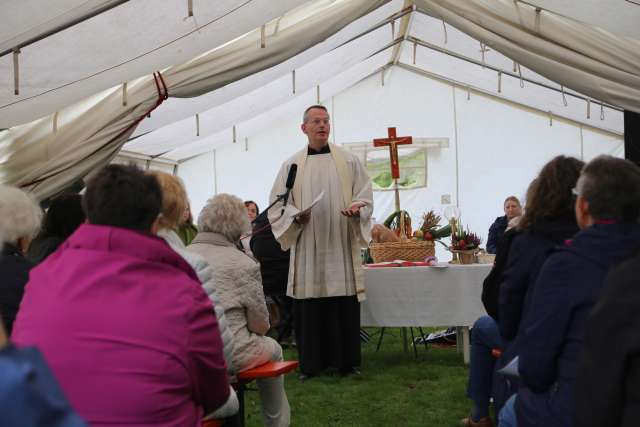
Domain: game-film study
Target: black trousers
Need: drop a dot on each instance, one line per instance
(327, 333)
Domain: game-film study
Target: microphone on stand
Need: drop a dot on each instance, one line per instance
(291, 179)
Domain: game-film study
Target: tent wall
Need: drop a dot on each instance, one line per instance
(200, 180)
(495, 149)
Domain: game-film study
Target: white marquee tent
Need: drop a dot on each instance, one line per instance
(504, 85)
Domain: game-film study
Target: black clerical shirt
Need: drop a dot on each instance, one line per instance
(323, 150)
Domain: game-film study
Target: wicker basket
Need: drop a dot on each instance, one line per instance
(407, 250)
(467, 256)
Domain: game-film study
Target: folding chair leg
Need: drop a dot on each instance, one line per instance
(380, 339)
(424, 339)
(240, 394)
(413, 343)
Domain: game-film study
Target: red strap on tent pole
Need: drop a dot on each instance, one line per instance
(163, 93)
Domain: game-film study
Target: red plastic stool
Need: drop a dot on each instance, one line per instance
(268, 370)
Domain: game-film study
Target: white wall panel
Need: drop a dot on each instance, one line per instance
(199, 179)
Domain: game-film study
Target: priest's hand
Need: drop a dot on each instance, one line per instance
(354, 210)
(303, 219)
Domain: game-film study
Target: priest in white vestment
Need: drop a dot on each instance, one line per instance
(326, 279)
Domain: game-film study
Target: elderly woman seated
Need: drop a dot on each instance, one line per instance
(237, 277)
(19, 221)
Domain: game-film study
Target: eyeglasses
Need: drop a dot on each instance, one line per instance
(574, 191)
(318, 122)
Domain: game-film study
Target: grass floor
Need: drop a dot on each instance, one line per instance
(394, 389)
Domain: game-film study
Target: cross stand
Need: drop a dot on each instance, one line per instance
(392, 141)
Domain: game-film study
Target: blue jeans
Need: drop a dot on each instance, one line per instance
(485, 336)
(507, 417)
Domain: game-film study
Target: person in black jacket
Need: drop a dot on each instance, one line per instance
(274, 269)
(554, 322)
(491, 284)
(64, 215)
(512, 209)
(547, 221)
(19, 221)
(606, 389)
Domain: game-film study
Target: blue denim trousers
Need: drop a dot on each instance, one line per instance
(507, 417)
(485, 336)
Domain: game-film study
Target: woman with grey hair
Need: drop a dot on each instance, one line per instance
(20, 219)
(237, 276)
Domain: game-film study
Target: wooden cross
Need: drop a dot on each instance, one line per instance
(392, 142)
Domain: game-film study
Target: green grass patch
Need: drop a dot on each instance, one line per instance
(394, 389)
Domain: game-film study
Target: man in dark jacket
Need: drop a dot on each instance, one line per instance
(512, 209)
(606, 390)
(607, 212)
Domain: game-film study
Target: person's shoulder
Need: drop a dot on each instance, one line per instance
(348, 155)
(499, 222)
(294, 157)
(626, 272)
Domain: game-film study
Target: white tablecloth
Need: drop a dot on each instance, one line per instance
(423, 296)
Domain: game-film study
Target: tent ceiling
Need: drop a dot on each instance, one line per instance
(257, 95)
(138, 37)
(176, 109)
(27, 19)
(269, 92)
(620, 17)
(117, 46)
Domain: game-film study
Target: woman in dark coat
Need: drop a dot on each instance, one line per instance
(512, 209)
(63, 217)
(19, 221)
(548, 220)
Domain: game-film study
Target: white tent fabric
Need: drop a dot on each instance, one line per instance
(586, 59)
(267, 95)
(235, 87)
(184, 139)
(176, 109)
(27, 19)
(127, 42)
(297, 31)
(618, 17)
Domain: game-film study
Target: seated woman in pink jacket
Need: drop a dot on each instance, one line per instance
(121, 319)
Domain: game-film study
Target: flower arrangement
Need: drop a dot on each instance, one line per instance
(464, 240)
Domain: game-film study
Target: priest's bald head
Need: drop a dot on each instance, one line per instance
(316, 125)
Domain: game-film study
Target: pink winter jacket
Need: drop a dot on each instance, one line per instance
(127, 330)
